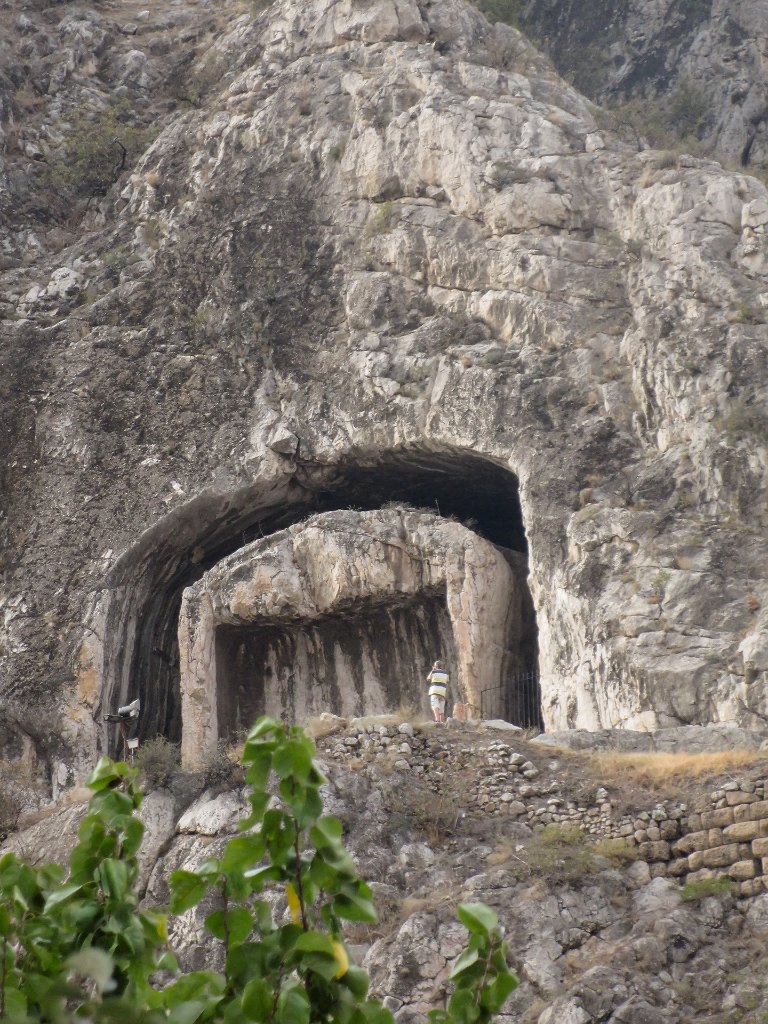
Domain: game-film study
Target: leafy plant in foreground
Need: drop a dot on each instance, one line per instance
(80, 949)
(81, 941)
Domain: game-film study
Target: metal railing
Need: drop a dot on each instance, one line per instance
(516, 700)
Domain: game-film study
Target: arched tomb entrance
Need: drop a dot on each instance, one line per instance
(344, 613)
(138, 610)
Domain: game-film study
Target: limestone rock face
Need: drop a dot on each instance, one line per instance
(391, 255)
(710, 57)
(325, 614)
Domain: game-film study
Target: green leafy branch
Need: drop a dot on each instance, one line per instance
(78, 947)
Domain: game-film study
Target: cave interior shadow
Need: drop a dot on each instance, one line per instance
(456, 484)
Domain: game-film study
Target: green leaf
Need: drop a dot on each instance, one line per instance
(467, 958)
(293, 1007)
(257, 1000)
(263, 727)
(293, 758)
(353, 907)
(375, 1013)
(356, 980)
(303, 800)
(105, 774)
(168, 962)
(237, 923)
(259, 801)
(258, 876)
(60, 896)
(195, 986)
(114, 878)
(134, 833)
(462, 1006)
(477, 918)
(115, 809)
(15, 1005)
(314, 942)
(187, 889)
(259, 760)
(188, 1012)
(215, 923)
(248, 960)
(262, 913)
(20, 901)
(242, 852)
(319, 963)
(326, 833)
(496, 994)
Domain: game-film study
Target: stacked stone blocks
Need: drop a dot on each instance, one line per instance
(730, 839)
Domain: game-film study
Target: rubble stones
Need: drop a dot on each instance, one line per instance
(730, 839)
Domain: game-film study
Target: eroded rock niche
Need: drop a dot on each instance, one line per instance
(374, 658)
(345, 612)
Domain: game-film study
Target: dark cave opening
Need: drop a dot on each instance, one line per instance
(335, 664)
(455, 483)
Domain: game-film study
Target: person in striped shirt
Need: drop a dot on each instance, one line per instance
(438, 690)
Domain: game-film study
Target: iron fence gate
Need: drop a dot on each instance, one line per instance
(516, 700)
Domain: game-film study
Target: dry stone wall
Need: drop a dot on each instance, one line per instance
(730, 839)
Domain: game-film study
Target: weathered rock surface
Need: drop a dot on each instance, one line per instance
(395, 235)
(594, 937)
(336, 611)
(685, 738)
(707, 57)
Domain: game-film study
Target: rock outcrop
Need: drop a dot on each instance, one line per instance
(392, 255)
(345, 611)
(584, 867)
(705, 60)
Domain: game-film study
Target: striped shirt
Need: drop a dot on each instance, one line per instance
(438, 682)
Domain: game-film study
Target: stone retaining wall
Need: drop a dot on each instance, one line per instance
(728, 840)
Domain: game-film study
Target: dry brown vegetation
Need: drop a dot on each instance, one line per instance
(317, 728)
(661, 769)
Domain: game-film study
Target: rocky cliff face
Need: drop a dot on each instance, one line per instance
(386, 253)
(345, 610)
(705, 60)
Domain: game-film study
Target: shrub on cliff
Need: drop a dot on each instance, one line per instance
(157, 760)
(78, 947)
(95, 151)
(506, 11)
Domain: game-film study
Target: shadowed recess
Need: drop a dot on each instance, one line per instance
(144, 660)
(340, 663)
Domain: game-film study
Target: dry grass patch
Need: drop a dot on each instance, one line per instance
(618, 851)
(659, 769)
(358, 724)
(317, 728)
(418, 904)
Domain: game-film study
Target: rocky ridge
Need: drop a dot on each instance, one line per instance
(708, 58)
